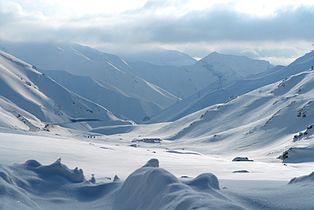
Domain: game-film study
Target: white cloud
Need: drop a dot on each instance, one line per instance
(194, 26)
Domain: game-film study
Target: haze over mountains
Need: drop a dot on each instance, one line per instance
(146, 87)
(137, 91)
(108, 70)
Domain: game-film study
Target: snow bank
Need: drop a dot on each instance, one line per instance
(55, 186)
(302, 179)
(151, 187)
(33, 186)
(298, 154)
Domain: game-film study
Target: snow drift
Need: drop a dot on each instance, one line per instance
(35, 186)
(151, 187)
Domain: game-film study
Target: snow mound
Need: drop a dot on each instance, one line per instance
(32, 186)
(205, 181)
(302, 179)
(154, 163)
(56, 170)
(151, 187)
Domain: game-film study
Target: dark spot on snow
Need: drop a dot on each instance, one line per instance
(241, 159)
(134, 145)
(241, 171)
(185, 177)
(148, 140)
(116, 178)
(106, 148)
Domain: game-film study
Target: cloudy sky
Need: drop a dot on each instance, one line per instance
(278, 31)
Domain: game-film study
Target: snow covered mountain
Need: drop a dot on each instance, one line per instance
(210, 96)
(120, 105)
(29, 100)
(214, 71)
(272, 118)
(152, 85)
(109, 70)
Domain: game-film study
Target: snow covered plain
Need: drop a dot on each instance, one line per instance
(185, 179)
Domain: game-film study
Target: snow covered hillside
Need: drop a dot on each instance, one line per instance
(266, 119)
(29, 100)
(210, 96)
(120, 105)
(109, 70)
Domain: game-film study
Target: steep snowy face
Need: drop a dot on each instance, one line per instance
(107, 69)
(256, 119)
(32, 98)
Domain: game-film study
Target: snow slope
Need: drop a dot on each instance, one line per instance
(210, 96)
(109, 70)
(30, 100)
(265, 119)
(120, 105)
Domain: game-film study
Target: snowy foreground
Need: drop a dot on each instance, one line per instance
(129, 177)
